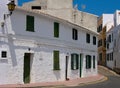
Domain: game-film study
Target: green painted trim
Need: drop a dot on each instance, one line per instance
(56, 29)
(30, 23)
(80, 65)
(26, 72)
(56, 64)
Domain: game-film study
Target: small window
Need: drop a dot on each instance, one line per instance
(75, 34)
(94, 40)
(88, 38)
(56, 29)
(4, 54)
(36, 7)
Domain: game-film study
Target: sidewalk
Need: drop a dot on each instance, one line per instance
(74, 82)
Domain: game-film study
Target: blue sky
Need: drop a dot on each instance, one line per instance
(96, 7)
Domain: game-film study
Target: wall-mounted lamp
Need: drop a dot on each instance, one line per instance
(11, 7)
(29, 49)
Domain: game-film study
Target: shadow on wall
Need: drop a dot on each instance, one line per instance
(12, 52)
(57, 74)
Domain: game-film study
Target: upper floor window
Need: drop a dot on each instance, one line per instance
(104, 42)
(88, 38)
(30, 23)
(75, 34)
(109, 38)
(94, 40)
(99, 29)
(108, 57)
(100, 43)
(56, 29)
(36, 7)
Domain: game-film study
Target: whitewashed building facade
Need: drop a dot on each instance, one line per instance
(34, 47)
(113, 43)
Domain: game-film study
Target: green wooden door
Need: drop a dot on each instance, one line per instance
(27, 68)
(80, 68)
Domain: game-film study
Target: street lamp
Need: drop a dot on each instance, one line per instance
(11, 6)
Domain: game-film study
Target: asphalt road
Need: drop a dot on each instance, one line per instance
(113, 81)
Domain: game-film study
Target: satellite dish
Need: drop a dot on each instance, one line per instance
(76, 6)
(83, 6)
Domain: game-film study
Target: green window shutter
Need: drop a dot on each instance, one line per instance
(88, 61)
(72, 61)
(93, 61)
(56, 60)
(30, 23)
(77, 61)
(56, 29)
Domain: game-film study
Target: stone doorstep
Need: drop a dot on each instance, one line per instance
(73, 82)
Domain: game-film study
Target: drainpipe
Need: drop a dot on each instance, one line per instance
(66, 69)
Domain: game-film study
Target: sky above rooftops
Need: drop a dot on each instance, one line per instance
(96, 7)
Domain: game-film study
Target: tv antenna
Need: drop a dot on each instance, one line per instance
(75, 12)
(82, 9)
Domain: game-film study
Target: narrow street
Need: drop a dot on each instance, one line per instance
(113, 80)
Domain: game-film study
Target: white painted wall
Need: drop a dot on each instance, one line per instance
(42, 44)
(117, 46)
(64, 9)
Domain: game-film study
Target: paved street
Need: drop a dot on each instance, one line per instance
(113, 81)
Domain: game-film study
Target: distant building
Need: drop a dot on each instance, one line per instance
(36, 46)
(105, 22)
(113, 43)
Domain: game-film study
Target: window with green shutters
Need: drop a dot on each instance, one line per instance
(30, 23)
(94, 62)
(56, 29)
(56, 64)
(88, 61)
(74, 61)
